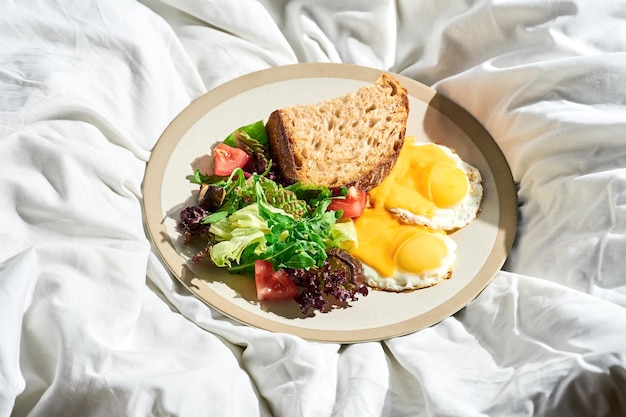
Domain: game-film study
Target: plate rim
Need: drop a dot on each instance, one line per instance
(173, 133)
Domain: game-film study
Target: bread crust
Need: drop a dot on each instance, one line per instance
(285, 153)
(281, 146)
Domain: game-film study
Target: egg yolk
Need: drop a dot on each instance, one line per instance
(385, 244)
(423, 180)
(421, 252)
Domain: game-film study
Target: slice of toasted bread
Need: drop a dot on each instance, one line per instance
(353, 139)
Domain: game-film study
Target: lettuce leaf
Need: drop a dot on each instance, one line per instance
(342, 235)
(254, 130)
(235, 233)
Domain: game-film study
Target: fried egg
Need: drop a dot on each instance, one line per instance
(403, 233)
(432, 186)
(398, 256)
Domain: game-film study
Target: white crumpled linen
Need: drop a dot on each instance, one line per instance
(91, 322)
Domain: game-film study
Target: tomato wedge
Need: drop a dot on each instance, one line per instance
(352, 204)
(272, 285)
(226, 159)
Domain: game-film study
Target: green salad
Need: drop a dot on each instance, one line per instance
(283, 235)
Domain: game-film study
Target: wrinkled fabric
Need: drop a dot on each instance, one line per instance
(92, 323)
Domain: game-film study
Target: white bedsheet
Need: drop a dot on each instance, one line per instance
(91, 323)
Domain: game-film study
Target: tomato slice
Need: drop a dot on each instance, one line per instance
(352, 204)
(272, 285)
(226, 159)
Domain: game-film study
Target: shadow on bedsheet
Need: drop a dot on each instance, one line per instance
(588, 394)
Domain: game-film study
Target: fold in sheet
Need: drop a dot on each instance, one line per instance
(92, 322)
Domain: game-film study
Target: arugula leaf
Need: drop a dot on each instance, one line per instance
(295, 243)
(232, 201)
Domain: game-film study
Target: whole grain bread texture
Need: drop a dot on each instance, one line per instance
(353, 139)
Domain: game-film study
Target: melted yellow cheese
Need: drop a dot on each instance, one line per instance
(385, 244)
(423, 179)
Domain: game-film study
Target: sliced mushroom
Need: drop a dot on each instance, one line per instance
(211, 197)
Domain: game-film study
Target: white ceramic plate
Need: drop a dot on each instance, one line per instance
(482, 246)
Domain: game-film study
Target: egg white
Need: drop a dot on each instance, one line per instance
(455, 217)
(405, 281)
